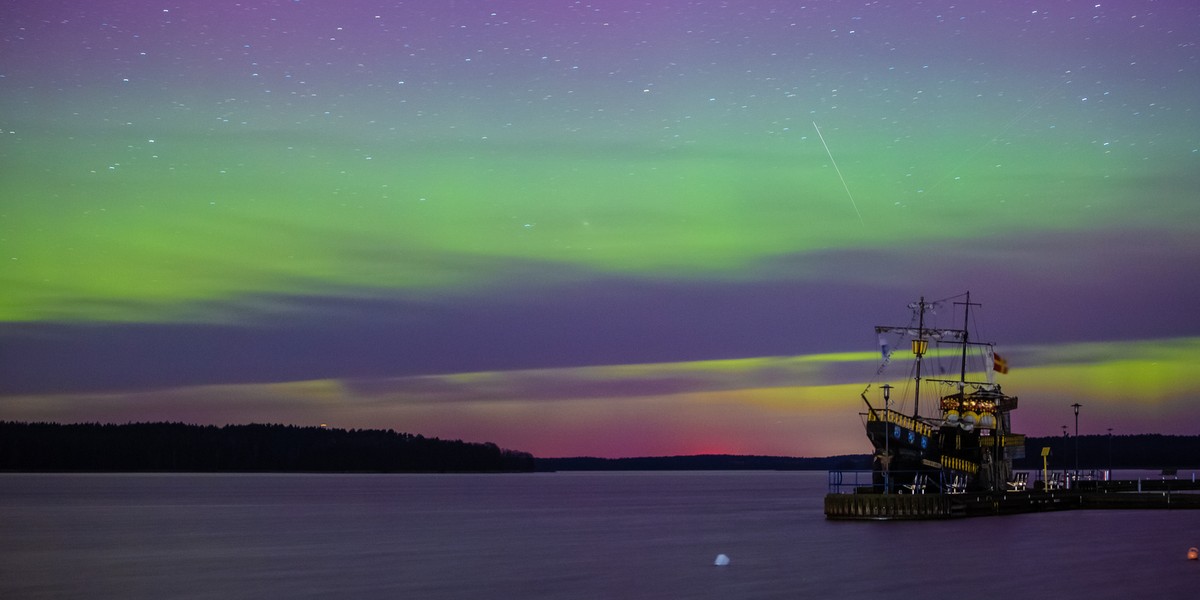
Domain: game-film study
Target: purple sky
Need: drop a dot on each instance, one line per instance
(603, 228)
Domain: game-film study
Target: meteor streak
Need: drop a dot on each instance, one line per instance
(839, 172)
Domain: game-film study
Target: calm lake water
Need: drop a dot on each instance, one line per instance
(551, 535)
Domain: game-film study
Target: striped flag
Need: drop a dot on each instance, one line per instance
(999, 364)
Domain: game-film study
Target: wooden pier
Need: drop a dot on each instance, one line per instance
(867, 505)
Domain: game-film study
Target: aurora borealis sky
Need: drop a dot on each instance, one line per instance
(604, 228)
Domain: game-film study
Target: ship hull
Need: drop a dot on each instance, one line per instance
(915, 456)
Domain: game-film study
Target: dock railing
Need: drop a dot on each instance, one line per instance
(848, 482)
(1108, 481)
(927, 482)
(894, 482)
(1066, 480)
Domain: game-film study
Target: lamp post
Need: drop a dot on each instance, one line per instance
(1064, 469)
(1110, 452)
(1076, 407)
(887, 434)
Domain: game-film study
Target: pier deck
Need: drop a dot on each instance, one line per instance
(866, 505)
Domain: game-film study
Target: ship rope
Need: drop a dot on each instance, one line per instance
(940, 365)
(887, 350)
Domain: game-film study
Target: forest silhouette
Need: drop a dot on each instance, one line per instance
(180, 447)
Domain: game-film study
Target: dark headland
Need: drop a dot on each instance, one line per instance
(1095, 452)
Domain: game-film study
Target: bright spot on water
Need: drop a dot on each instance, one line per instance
(721, 561)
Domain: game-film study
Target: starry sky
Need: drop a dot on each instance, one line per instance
(609, 228)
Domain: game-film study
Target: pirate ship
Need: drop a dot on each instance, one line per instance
(964, 441)
(947, 448)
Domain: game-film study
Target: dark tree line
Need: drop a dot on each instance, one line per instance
(247, 448)
(284, 448)
(1143, 451)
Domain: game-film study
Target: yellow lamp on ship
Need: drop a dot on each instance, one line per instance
(919, 347)
(952, 416)
(970, 417)
(987, 421)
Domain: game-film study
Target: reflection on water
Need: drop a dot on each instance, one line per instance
(553, 535)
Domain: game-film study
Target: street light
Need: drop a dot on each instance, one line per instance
(1076, 407)
(887, 451)
(1064, 469)
(1110, 452)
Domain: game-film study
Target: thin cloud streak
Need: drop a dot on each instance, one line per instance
(803, 405)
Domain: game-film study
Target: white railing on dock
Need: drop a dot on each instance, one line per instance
(895, 482)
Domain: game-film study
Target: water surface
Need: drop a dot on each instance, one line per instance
(550, 535)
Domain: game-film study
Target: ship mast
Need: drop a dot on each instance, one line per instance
(998, 428)
(967, 304)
